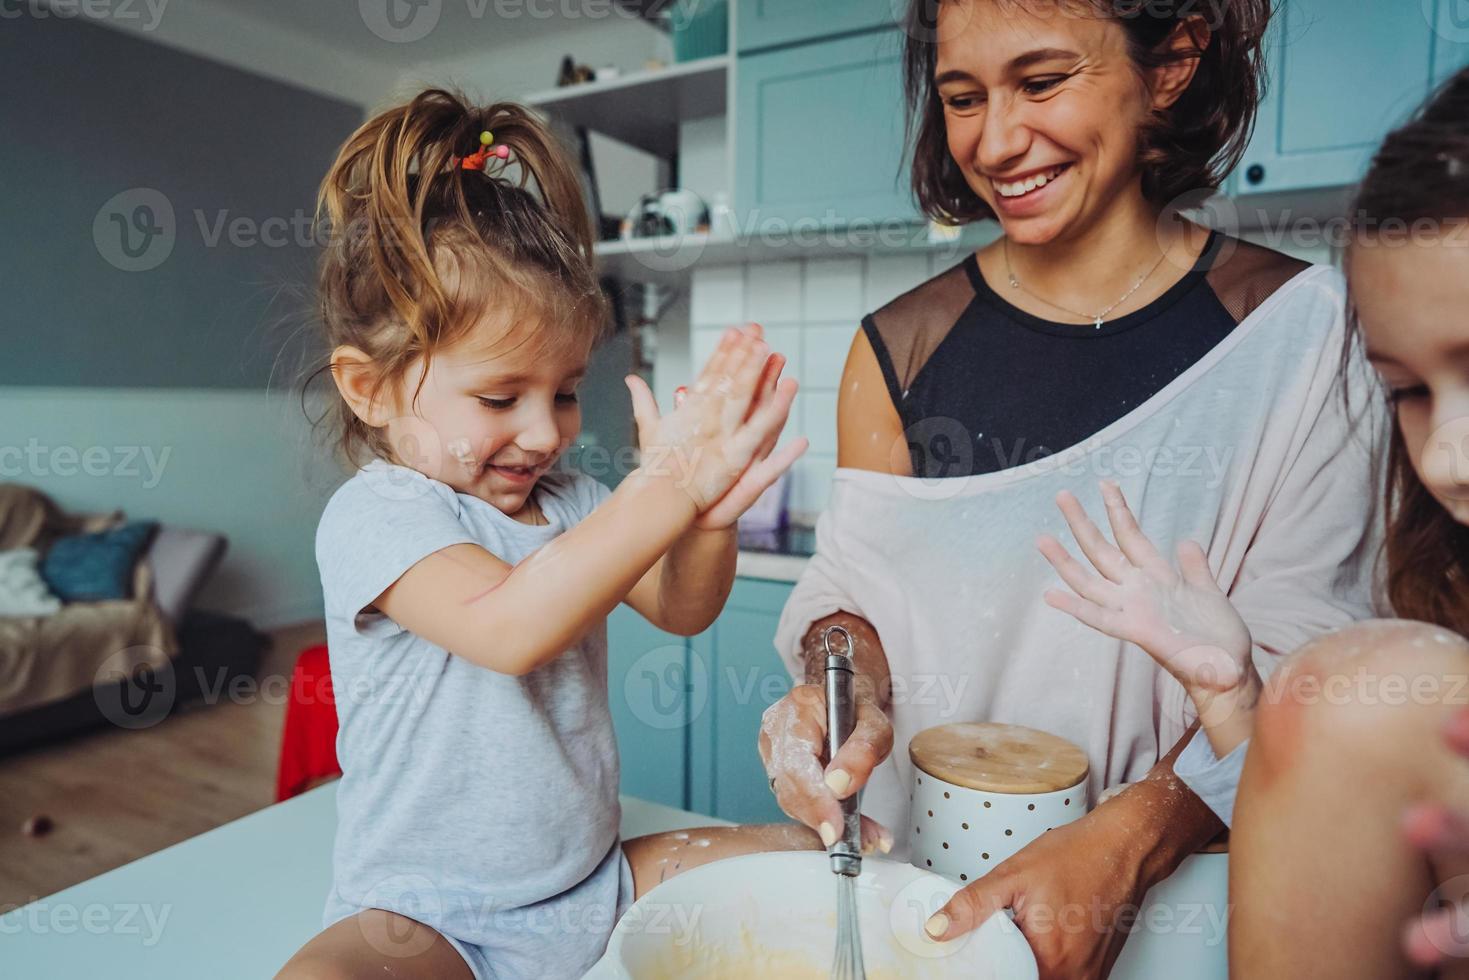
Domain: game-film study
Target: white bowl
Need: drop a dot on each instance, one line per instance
(774, 916)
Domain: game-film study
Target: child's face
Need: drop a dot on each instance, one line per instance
(491, 418)
(1413, 300)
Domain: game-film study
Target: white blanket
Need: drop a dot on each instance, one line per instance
(1247, 453)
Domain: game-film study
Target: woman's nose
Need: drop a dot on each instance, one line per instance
(1004, 139)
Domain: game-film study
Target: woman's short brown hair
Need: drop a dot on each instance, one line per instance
(1188, 148)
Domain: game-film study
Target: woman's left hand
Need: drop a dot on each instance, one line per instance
(1068, 889)
(1180, 617)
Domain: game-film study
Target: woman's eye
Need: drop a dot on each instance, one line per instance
(496, 403)
(1039, 86)
(567, 397)
(1406, 393)
(963, 103)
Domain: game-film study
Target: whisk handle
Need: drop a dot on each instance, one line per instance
(841, 718)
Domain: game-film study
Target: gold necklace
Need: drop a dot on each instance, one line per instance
(1097, 320)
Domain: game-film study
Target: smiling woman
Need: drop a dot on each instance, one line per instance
(1101, 336)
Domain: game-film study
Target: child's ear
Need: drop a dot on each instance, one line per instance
(355, 374)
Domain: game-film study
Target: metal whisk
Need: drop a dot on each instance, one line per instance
(846, 852)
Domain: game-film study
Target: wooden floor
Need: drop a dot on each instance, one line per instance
(115, 796)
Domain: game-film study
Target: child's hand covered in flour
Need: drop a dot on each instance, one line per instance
(717, 443)
(1179, 616)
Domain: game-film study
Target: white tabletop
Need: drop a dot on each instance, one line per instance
(235, 902)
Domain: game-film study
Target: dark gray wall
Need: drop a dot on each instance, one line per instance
(91, 113)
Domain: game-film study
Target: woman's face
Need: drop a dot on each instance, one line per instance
(1413, 302)
(1042, 110)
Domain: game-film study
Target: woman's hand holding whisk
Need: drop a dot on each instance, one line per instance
(793, 747)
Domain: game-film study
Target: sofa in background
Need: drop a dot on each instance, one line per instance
(127, 662)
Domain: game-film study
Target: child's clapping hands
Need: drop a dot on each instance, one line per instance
(1180, 617)
(717, 443)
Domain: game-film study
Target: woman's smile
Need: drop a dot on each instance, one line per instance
(1028, 194)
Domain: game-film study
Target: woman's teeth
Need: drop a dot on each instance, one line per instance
(1022, 187)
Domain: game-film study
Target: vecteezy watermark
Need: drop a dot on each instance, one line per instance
(1444, 460)
(667, 687)
(145, 13)
(406, 21)
(135, 230)
(49, 917)
(1449, 19)
(135, 687)
(37, 461)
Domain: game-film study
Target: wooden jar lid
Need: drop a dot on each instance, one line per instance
(999, 758)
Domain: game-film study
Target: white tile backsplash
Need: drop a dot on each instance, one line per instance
(824, 352)
(819, 421)
(833, 290)
(718, 296)
(810, 310)
(773, 293)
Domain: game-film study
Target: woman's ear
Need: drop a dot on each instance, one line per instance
(1184, 47)
(355, 374)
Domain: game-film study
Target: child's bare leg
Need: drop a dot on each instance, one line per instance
(1349, 734)
(657, 857)
(375, 944)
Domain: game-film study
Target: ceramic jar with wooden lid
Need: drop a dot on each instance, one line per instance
(982, 791)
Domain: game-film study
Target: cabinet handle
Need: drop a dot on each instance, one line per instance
(1256, 174)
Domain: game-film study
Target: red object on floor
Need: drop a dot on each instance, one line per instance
(309, 746)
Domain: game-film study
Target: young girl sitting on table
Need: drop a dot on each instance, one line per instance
(467, 578)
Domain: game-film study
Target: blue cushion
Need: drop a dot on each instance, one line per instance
(87, 567)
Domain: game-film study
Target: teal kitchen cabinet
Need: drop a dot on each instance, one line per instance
(1342, 75)
(652, 701)
(745, 676)
(819, 137)
(1451, 26)
(766, 23)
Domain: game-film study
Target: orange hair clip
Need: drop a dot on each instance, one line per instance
(480, 157)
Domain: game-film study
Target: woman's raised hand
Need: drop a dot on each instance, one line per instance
(1180, 617)
(717, 443)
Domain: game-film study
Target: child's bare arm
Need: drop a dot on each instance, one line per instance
(685, 590)
(512, 620)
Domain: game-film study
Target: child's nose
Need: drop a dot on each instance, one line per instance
(542, 436)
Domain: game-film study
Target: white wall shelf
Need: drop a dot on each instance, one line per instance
(643, 109)
(669, 261)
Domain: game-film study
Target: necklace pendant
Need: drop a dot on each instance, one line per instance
(1014, 283)
(1098, 324)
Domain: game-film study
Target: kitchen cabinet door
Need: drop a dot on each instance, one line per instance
(766, 23)
(745, 677)
(819, 138)
(652, 700)
(1342, 75)
(1451, 26)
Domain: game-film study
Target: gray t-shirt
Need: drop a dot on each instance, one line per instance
(466, 794)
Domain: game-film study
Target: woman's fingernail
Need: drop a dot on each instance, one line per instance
(828, 833)
(937, 925)
(838, 780)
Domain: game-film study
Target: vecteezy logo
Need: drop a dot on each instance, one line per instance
(1448, 18)
(665, 690)
(1445, 459)
(400, 21)
(135, 687)
(135, 230)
